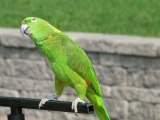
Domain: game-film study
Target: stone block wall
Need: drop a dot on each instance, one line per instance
(128, 69)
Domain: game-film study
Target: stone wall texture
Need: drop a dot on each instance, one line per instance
(128, 69)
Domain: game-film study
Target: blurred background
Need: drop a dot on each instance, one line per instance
(132, 17)
(121, 38)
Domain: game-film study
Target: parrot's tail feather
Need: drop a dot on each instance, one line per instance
(102, 113)
(99, 107)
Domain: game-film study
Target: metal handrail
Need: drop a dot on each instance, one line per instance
(17, 104)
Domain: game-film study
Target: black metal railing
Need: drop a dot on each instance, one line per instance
(17, 104)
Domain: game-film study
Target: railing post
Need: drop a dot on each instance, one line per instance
(16, 114)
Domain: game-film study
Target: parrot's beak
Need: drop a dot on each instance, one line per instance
(25, 30)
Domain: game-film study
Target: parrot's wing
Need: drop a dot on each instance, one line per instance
(81, 64)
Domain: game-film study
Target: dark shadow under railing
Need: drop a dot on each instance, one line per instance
(16, 105)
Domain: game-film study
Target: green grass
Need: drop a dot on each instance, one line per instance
(131, 17)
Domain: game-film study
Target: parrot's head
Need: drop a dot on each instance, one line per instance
(37, 28)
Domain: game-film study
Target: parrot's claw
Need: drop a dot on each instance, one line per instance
(44, 100)
(74, 105)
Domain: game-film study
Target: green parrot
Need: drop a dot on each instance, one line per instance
(68, 61)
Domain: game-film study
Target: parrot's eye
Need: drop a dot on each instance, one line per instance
(33, 20)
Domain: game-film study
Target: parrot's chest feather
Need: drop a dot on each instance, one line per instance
(52, 49)
(45, 48)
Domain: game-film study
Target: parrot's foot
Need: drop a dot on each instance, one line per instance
(44, 100)
(74, 104)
